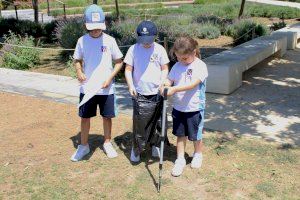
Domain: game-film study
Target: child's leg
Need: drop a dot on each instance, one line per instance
(197, 157)
(83, 149)
(107, 146)
(180, 161)
(85, 129)
(198, 146)
(107, 124)
(181, 143)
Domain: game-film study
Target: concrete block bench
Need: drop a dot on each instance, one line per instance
(292, 33)
(226, 68)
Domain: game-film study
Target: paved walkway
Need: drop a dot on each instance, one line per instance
(26, 14)
(277, 3)
(267, 105)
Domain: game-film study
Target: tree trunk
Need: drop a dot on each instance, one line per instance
(242, 8)
(117, 10)
(36, 10)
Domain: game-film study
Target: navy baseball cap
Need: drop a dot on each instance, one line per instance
(94, 18)
(146, 32)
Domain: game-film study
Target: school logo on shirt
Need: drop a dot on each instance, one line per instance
(103, 48)
(188, 75)
(154, 57)
(189, 72)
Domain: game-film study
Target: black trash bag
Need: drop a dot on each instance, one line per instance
(147, 122)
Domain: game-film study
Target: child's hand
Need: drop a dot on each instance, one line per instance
(106, 83)
(132, 91)
(171, 91)
(81, 76)
(162, 88)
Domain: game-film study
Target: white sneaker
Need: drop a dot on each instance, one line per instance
(82, 150)
(178, 167)
(109, 150)
(197, 161)
(134, 158)
(155, 152)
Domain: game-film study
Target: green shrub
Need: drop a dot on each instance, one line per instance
(49, 31)
(71, 68)
(6, 3)
(69, 31)
(275, 26)
(173, 26)
(208, 31)
(246, 30)
(258, 10)
(20, 27)
(222, 23)
(124, 33)
(19, 58)
(230, 30)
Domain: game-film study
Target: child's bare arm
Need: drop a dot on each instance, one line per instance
(117, 68)
(175, 89)
(165, 71)
(129, 80)
(79, 70)
(188, 87)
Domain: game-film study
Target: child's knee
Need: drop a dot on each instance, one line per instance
(85, 120)
(106, 119)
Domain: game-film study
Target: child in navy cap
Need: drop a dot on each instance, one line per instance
(93, 58)
(146, 69)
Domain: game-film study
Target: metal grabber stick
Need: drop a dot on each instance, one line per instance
(163, 130)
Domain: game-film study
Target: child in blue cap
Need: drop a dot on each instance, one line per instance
(93, 60)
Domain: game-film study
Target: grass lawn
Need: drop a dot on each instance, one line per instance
(41, 140)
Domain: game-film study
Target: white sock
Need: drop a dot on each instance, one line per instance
(198, 154)
(180, 156)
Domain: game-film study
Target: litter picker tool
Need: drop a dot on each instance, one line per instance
(163, 134)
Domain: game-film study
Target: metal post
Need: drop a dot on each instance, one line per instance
(253, 33)
(16, 12)
(166, 44)
(48, 7)
(242, 8)
(117, 9)
(64, 5)
(35, 5)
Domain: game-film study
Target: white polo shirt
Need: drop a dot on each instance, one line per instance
(181, 75)
(97, 55)
(147, 63)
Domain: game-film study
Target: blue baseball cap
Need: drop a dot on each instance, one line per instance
(94, 18)
(146, 32)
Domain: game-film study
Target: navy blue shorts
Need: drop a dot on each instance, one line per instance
(188, 124)
(106, 105)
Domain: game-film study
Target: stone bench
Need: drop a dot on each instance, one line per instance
(226, 68)
(292, 33)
